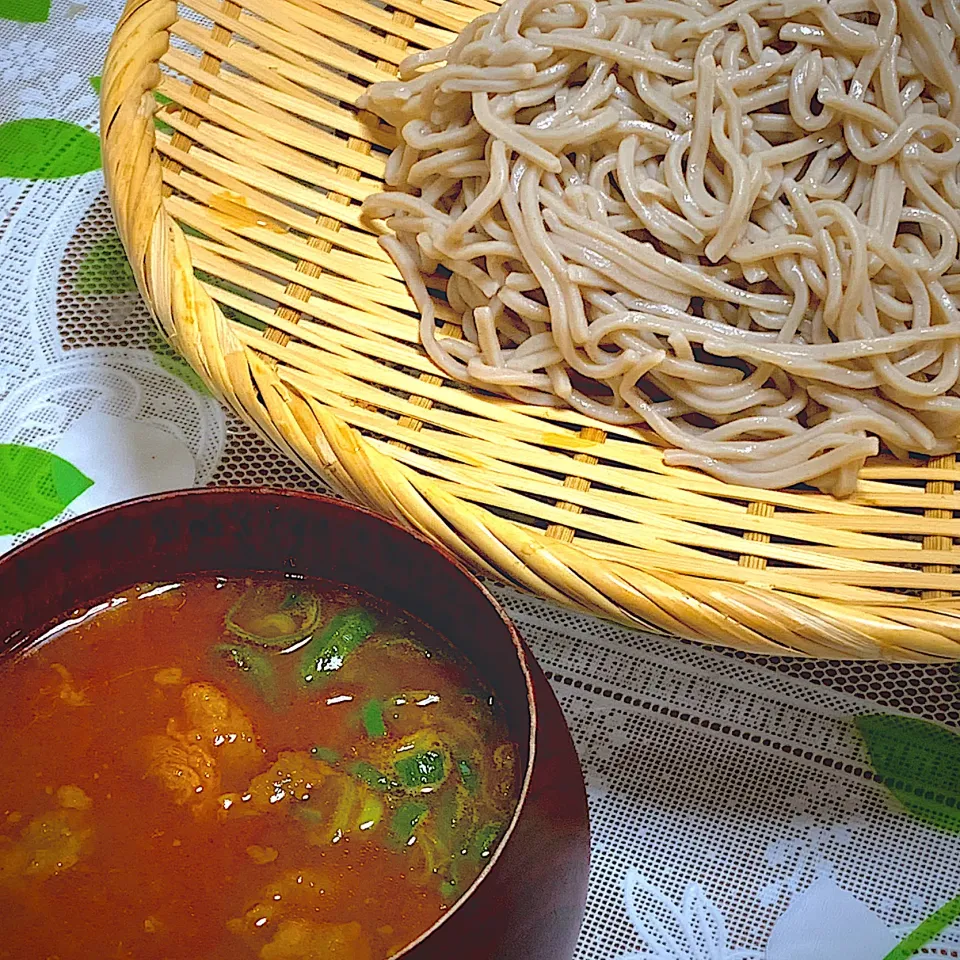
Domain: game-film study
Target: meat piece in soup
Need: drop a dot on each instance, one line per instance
(190, 758)
(271, 769)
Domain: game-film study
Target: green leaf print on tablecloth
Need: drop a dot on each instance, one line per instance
(25, 11)
(162, 125)
(35, 486)
(231, 313)
(104, 269)
(919, 763)
(178, 367)
(41, 149)
(932, 927)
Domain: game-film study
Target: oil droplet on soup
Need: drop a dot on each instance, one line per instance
(226, 769)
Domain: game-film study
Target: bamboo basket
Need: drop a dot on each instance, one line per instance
(236, 164)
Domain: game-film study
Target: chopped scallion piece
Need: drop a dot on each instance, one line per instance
(325, 754)
(372, 716)
(426, 769)
(327, 651)
(405, 821)
(367, 773)
(469, 776)
(484, 840)
(270, 615)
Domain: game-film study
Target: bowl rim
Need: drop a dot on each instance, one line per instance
(523, 655)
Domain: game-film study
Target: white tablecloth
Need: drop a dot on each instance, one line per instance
(735, 808)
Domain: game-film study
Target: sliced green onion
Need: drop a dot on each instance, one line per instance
(371, 813)
(325, 754)
(255, 666)
(426, 769)
(261, 616)
(405, 821)
(933, 926)
(449, 890)
(326, 653)
(367, 773)
(484, 840)
(372, 716)
(469, 776)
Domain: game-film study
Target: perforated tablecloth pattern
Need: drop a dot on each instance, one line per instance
(734, 802)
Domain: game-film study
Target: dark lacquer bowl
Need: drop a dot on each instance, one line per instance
(528, 902)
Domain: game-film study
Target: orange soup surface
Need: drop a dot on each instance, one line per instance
(242, 768)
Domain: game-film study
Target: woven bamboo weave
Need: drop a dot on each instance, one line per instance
(236, 164)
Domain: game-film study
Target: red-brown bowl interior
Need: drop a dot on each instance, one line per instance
(528, 902)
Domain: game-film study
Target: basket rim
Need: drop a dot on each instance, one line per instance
(742, 611)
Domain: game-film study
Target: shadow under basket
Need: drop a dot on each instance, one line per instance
(236, 164)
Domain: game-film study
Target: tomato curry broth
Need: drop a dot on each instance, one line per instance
(223, 769)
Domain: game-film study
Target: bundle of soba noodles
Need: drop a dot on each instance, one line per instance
(735, 223)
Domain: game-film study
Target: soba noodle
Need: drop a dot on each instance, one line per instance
(735, 223)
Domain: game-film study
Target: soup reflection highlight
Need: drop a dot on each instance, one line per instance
(258, 768)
